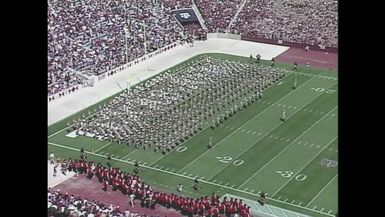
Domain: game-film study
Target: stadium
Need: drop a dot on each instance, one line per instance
(192, 108)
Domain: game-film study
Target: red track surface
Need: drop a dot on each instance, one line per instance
(92, 190)
(316, 58)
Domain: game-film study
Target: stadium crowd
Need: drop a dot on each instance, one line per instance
(65, 205)
(90, 35)
(312, 22)
(218, 14)
(171, 107)
(176, 4)
(136, 189)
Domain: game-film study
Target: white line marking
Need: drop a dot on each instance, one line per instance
(283, 150)
(299, 203)
(259, 134)
(183, 176)
(314, 207)
(322, 209)
(321, 190)
(214, 180)
(130, 153)
(293, 201)
(245, 189)
(287, 140)
(254, 133)
(252, 191)
(329, 211)
(318, 146)
(279, 197)
(103, 147)
(57, 131)
(304, 166)
(248, 132)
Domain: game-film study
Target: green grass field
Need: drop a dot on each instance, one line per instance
(253, 150)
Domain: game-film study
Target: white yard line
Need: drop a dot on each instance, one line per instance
(266, 134)
(322, 189)
(283, 150)
(53, 134)
(224, 139)
(187, 177)
(103, 146)
(317, 76)
(304, 166)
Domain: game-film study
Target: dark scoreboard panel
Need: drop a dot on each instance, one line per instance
(185, 16)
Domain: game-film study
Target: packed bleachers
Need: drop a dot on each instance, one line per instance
(163, 112)
(195, 30)
(218, 13)
(312, 22)
(65, 205)
(176, 4)
(89, 35)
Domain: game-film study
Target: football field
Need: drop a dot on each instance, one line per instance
(294, 161)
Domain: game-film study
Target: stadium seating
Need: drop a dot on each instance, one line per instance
(312, 22)
(218, 14)
(89, 35)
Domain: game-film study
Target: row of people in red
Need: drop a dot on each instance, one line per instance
(130, 184)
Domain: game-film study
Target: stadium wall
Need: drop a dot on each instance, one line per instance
(289, 44)
(224, 35)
